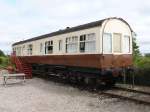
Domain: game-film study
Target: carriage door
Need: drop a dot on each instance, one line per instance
(117, 60)
(107, 50)
(117, 43)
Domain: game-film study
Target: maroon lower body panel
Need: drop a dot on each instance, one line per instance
(84, 60)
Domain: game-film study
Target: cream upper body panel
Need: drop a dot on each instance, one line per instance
(55, 39)
(112, 26)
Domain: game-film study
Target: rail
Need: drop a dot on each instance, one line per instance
(136, 96)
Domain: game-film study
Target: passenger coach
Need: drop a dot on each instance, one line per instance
(94, 51)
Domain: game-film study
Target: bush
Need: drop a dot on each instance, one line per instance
(4, 62)
(143, 62)
(1, 61)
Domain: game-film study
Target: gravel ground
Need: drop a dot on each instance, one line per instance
(39, 95)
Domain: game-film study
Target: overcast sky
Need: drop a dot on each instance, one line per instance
(23, 19)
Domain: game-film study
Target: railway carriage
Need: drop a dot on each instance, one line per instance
(96, 51)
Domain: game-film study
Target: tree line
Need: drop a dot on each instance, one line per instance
(2, 53)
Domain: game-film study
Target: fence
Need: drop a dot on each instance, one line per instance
(141, 77)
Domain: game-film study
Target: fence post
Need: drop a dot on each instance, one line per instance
(133, 79)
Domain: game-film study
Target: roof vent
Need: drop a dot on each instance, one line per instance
(67, 27)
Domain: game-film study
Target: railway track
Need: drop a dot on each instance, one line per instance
(140, 97)
(132, 90)
(136, 96)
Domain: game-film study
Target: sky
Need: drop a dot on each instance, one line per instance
(24, 19)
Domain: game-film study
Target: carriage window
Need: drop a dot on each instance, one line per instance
(107, 43)
(14, 51)
(19, 51)
(30, 48)
(23, 50)
(88, 43)
(117, 43)
(82, 43)
(126, 44)
(60, 45)
(72, 44)
(41, 47)
(48, 47)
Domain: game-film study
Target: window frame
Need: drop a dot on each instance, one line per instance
(86, 40)
(23, 49)
(30, 49)
(129, 44)
(60, 44)
(111, 50)
(49, 47)
(41, 47)
(70, 41)
(82, 42)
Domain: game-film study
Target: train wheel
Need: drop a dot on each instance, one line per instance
(91, 82)
(110, 82)
(81, 80)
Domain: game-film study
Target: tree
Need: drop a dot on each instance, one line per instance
(2, 53)
(136, 51)
(147, 55)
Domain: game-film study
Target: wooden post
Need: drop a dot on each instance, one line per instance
(133, 79)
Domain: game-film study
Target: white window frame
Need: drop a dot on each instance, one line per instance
(23, 50)
(49, 44)
(60, 45)
(110, 43)
(87, 40)
(19, 51)
(41, 47)
(30, 49)
(71, 43)
(125, 45)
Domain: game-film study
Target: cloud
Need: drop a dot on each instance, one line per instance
(23, 19)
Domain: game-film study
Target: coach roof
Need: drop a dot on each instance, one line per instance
(68, 30)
